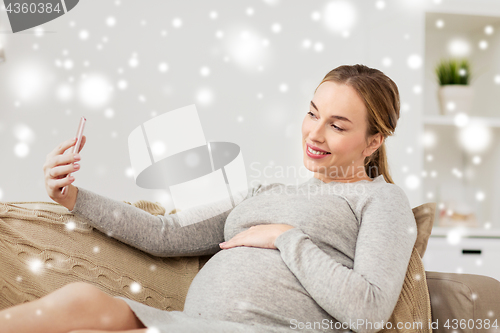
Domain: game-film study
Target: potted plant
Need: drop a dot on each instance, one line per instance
(455, 94)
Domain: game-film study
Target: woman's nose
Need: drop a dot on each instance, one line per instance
(316, 133)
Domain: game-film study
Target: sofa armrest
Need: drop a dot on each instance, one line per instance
(463, 301)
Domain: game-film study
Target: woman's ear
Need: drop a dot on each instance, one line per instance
(375, 142)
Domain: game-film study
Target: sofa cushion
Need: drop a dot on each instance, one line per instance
(466, 302)
(424, 216)
(412, 312)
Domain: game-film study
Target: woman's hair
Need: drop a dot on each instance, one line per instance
(381, 97)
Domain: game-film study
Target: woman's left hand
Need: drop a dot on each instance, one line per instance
(262, 235)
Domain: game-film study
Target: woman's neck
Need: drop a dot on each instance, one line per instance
(342, 179)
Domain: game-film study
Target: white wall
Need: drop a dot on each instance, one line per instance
(269, 134)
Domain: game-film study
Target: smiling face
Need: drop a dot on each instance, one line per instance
(336, 123)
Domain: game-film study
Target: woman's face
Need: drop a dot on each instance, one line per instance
(336, 123)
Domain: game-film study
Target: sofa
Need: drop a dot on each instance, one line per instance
(44, 247)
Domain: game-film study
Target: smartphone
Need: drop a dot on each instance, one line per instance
(76, 147)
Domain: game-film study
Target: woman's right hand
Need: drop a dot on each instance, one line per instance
(57, 168)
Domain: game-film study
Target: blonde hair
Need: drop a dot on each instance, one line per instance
(381, 97)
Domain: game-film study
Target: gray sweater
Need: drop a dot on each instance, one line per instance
(344, 262)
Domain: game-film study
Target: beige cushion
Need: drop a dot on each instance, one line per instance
(424, 216)
(413, 304)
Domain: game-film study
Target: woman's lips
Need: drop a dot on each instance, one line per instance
(315, 148)
(315, 156)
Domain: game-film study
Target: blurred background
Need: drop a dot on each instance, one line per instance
(251, 70)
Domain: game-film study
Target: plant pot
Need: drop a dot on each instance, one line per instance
(455, 98)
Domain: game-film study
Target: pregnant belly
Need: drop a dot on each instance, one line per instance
(249, 284)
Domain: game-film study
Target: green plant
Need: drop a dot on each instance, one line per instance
(453, 71)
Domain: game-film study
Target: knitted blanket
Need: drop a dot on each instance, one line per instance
(44, 247)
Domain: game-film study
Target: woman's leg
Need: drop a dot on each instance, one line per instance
(145, 330)
(75, 306)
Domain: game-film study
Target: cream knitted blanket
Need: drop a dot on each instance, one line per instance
(44, 247)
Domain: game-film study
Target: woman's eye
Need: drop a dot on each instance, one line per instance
(337, 128)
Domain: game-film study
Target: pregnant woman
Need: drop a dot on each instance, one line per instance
(327, 255)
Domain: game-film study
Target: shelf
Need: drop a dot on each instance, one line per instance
(448, 120)
(466, 232)
(443, 150)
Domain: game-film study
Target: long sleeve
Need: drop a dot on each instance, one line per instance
(163, 236)
(370, 290)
